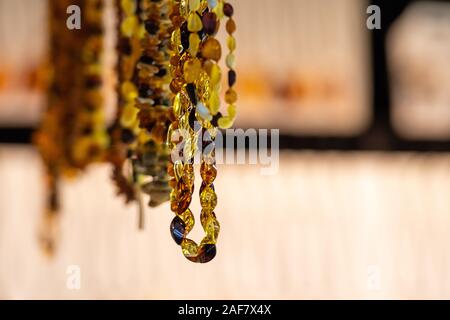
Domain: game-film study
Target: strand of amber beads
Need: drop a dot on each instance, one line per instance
(195, 81)
(152, 80)
(125, 127)
(227, 121)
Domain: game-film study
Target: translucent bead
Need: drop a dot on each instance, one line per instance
(194, 22)
(231, 96)
(178, 168)
(129, 91)
(225, 123)
(208, 172)
(177, 230)
(208, 199)
(194, 44)
(184, 7)
(206, 253)
(129, 25)
(230, 61)
(218, 10)
(212, 50)
(176, 40)
(212, 229)
(232, 111)
(215, 74)
(189, 220)
(230, 26)
(189, 248)
(129, 115)
(194, 5)
(176, 105)
(214, 103)
(209, 20)
(231, 43)
(128, 6)
(192, 70)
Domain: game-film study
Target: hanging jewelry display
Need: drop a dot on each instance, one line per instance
(73, 132)
(196, 84)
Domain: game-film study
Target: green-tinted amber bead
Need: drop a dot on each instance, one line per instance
(208, 199)
(189, 248)
(231, 43)
(232, 111)
(129, 25)
(194, 22)
(212, 50)
(194, 5)
(194, 44)
(188, 219)
(225, 123)
(128, 6)
(192, 70)
(214, 103)
(215, 74)
(230, 61)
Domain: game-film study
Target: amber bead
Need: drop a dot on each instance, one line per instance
(192, 69)
(194, 44)
(231, 78)
(230, 26)
(231, 43)
(207, 253)
(231, 96)
(194, 22)
(177, 230)
(211, 49)
(228, 10)
(208, 199)
(208, 172)
(209, 20)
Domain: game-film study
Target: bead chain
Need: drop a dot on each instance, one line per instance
(196, 86)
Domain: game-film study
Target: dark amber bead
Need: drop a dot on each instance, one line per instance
(228, 10)
(207, 253)
(152, 27)
(231, 26)
(208, 172)
(231, 78)
(209, 23)
(177, 230)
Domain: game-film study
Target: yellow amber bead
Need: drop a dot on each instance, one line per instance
(189, 248)
(128, 6)
(214, 103)
(194, 44)
(230, 61)
(188, 219)
(212, 50)
(232, 111)
(178, 168)
(177, 108)
(208, 199)
(194, 5)
(129, 115)
(230, 96)
(184, 7)
(215, 74)
(194, 22)
(231, 43)
(218, 10)
(211, 227)
(129, 91)
(225, 123)
(192, 70)
(129, 25)
(176, 41)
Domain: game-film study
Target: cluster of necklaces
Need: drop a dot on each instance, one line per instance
(169, 86)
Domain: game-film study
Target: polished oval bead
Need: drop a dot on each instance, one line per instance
(212, 50)
(214, 103)
(230, 61)
(208, 199)
(189, 249)
(177, 230)
(230, 26)
(228, 10)
(194, 44)
(231, 78)
(194, 22)
(215, 74)
(209, 20)
(128, 6)
(129, 115)
(231, 96)
(231, 43)
(203, 112)
(192, 70)
(194, 5)
(232, 111)
(189, 220)
(129, 26)
(212, 4)
(208, 172)
(207, 253)
(225, 123)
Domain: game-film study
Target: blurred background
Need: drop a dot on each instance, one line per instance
(359, 208)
